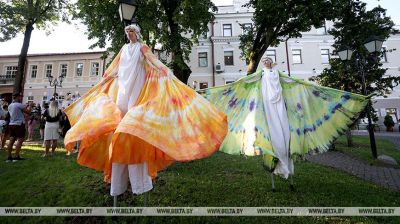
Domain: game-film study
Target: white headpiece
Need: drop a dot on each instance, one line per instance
(266, 58)
(136, 29)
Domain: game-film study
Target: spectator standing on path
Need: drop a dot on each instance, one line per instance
(52, 115)
(16, 127)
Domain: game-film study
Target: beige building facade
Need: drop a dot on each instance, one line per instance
(81, 70)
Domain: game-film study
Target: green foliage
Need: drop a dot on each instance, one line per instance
(176, 24)
(275, 21)
(388, 121)
(354, 24)
(15, 15)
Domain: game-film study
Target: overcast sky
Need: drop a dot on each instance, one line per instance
(72, 38)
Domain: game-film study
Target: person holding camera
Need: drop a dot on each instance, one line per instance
(16, 127)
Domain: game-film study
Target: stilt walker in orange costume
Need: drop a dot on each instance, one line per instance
(139, 119)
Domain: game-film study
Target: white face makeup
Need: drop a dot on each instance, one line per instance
(131, 34)
(268, 63)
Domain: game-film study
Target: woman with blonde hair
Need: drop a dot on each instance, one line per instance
(52, 116)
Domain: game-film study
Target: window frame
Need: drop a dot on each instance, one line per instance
(62, 69)
(31, 71)
(273, 56)
(326, 54)
(76, 69)
(97, 69)
(226, 29)
(225, 59)
(47, 68)
(299, 54)
(11, 71)
(202, 57)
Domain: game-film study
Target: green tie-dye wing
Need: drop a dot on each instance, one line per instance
(247, 125)
(317, 115)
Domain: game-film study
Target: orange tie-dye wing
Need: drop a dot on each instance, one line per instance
(169, 122)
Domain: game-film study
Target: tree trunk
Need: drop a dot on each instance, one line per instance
(252, 67)
(180, 68)
(349, 137)
(20, 76)
(255, 56)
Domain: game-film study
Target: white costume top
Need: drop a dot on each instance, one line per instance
(131, 79)
(277, 119)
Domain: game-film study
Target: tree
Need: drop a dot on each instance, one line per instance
(22, 16)
(353, 26)
(275, 21)
(176, 24)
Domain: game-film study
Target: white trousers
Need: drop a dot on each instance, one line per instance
(137, 174)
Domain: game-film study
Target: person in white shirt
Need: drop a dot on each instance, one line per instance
(16, 127)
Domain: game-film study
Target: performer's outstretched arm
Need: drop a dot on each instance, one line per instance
(152, 59)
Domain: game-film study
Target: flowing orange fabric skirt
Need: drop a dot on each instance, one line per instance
(169, 122)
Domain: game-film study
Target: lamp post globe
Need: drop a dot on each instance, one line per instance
(345, 53)
(373, 44)
(127, 10)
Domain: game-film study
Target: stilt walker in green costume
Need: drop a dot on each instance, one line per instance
(282, 118)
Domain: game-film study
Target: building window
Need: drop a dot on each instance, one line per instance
(11, 71)
(229, 81)
(203, 62)
(64, 69)
(325, 56)
(33, 71)
(272, 54)
(383, 55)
(95, 69)
(203, 85)
(79, 69)
(296, 54)
(227, 30)
(48, 70)
(246, 28)
(228, 57)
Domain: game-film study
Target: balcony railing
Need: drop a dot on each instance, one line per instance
(7, 79)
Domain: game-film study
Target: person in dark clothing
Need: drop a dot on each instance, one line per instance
(52, 115)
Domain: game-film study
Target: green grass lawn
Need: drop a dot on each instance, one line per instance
(220, 180)
(362, 149)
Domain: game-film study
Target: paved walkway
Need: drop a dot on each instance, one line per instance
(383, 176)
